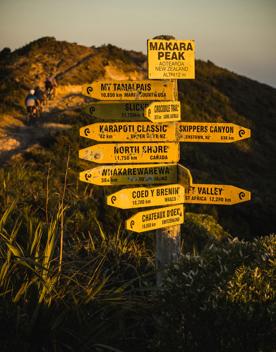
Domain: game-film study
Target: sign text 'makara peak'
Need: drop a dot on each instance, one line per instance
(173, 59)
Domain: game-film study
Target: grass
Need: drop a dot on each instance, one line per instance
(63, 273)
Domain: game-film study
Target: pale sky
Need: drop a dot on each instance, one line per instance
(239, 35)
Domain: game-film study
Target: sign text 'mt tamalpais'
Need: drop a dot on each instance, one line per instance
(131, 90)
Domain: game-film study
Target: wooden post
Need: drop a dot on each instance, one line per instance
(168, 241)
(168, 245)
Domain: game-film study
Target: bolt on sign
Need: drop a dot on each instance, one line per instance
(216, 194)
(131, 90)
(109, 175)
(123, 153)
(129, 198)
(169, 111)
(210, 132)
(130, 132)
(117, 110)
(171, 59)
(155, 219)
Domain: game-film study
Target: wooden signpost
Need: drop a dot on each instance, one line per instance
(150, 151)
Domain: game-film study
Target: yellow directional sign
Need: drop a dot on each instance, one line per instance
(210, 132)
(130, 132)
(171, 59)
(131, 90)
(129, 198)
(155, 219)
(169, 132)
(131, 174)
(216, 194)
(168, 111)
(117, 110)
(123, 153)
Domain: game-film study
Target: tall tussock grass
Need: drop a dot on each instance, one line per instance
(65, 282)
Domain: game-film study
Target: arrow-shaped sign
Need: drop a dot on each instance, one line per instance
(156, 218)
(131, 90)
(139, 197)
(130, 132)
(210, 132)
(206, 132)
(117, 110)
(216, 194)
(124, 153)
(131, 174)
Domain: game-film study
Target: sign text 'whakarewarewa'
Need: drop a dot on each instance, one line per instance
(123, 153)
(156, 218)
(131, 174)
(131, 90)
(174, 59)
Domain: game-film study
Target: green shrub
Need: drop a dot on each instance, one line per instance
(223, 300)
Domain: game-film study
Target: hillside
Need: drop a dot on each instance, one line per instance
(216, 95)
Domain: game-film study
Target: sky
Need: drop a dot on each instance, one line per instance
(239, 35)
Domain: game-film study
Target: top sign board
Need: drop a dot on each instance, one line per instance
(171, 59)
(132, 90)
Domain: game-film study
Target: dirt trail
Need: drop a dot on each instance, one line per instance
(16, 137)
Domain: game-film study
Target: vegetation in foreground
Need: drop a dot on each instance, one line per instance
(73, 280)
